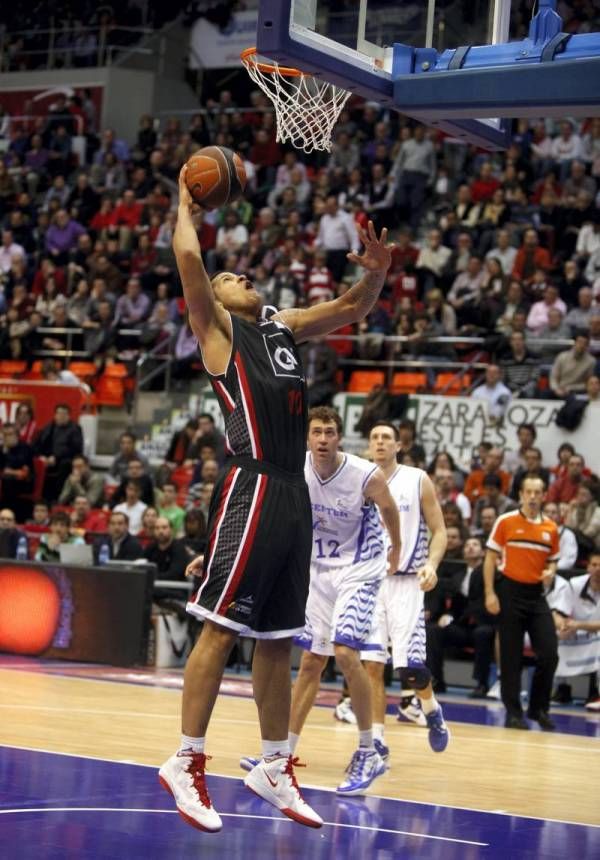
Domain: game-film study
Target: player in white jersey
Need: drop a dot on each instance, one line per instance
(348, 564)
(400, 614)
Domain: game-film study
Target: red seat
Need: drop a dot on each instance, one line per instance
(12, 368)
(363, 381)
(450, 383)
(110, 391)
(408, 383)
(84, 370)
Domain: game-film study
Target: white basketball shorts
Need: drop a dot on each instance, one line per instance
(400, 623)
(341, 606)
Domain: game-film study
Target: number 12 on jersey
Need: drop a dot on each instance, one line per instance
(327, 549)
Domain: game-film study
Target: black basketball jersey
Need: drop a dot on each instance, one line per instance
(262, 395)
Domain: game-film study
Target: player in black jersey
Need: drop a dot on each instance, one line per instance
(254, 577)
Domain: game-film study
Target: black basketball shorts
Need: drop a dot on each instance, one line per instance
(257, 563)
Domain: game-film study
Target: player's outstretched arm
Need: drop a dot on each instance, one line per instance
(205, 313)
(356, 303)
(434, 518)
(377, 489)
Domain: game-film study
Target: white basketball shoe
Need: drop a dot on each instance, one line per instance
(183, 777)
(275, 782)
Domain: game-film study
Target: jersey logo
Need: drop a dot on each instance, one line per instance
(546, 535)
(282, 358)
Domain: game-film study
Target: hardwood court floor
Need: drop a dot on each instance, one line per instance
(486, 768)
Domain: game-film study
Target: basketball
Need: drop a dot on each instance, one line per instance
(215, 176)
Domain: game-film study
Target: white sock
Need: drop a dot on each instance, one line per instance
(275, 749)
(196, 745)
(378, 729)
(293, 742)
(365, 739)
(429, 705)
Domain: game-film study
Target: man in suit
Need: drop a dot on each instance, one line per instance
(58, 443)
(459, 619)
(122, 546)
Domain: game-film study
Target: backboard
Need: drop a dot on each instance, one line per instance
(448, 64)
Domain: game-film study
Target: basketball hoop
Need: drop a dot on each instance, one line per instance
(306, 109)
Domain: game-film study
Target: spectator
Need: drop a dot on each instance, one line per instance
(465, 293)
(166, 552)
(149, 517)
(41, 515)
(170, 510)
(583, 517)
(414, 170)
(9, 250)
(538, 316)
(491, 466)
(567, 147)
(556, 329)
(526, 434)
(84, 518)
(568, 542)
(446, 491)
(487, 517)
(455, 539)
(532, 468)
(432, 261)
(463, 622)
(194, 533)
(127, 452)
(16, 473)
(62, 236)
(134, 306)
(10, 535)
(133, 507)
(181, 443)
(122, 546)
(25, 423)
(82, 482)
(519, 598)
(320, 364)
(592, 389)
(337, 235)
(50, 543)
(580, 317)
(493, 392)
(57, 444)
(571, 369)
(520, 368)
(530, 257)
(503, 251)
(491, 497)
(566, 485)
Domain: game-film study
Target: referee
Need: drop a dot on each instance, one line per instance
(528, 544)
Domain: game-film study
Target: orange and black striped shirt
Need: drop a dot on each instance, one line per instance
(526, 545)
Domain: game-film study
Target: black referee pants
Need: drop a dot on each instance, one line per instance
(523, 609)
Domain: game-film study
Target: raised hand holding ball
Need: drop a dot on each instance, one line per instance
(215, 176)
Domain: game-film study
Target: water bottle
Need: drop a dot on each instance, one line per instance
(103, 554)
(22, 549)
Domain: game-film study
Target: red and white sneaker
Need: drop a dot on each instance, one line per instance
(275, 782)
(182, 776)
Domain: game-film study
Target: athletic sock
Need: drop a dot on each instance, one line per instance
(293, 742)
(275, 749)
(378, 729)
(365, 739)
(195, 745)
(429, 705)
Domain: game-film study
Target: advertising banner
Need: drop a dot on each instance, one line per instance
(97, 615)
(43, 398)
(212, 48)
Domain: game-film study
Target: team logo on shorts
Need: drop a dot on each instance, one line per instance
(282, 358)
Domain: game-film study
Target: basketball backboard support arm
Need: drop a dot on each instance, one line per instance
(549, 73)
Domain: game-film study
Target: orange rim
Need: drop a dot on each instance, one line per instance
(248, 55)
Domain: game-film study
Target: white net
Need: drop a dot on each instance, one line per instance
(306, 109)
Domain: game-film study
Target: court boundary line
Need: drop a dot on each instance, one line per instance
(244, 815)
(316, 788)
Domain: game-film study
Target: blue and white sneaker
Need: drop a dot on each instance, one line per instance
(364, 768)
(384, 752)
(247, 762)
(439, 733)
